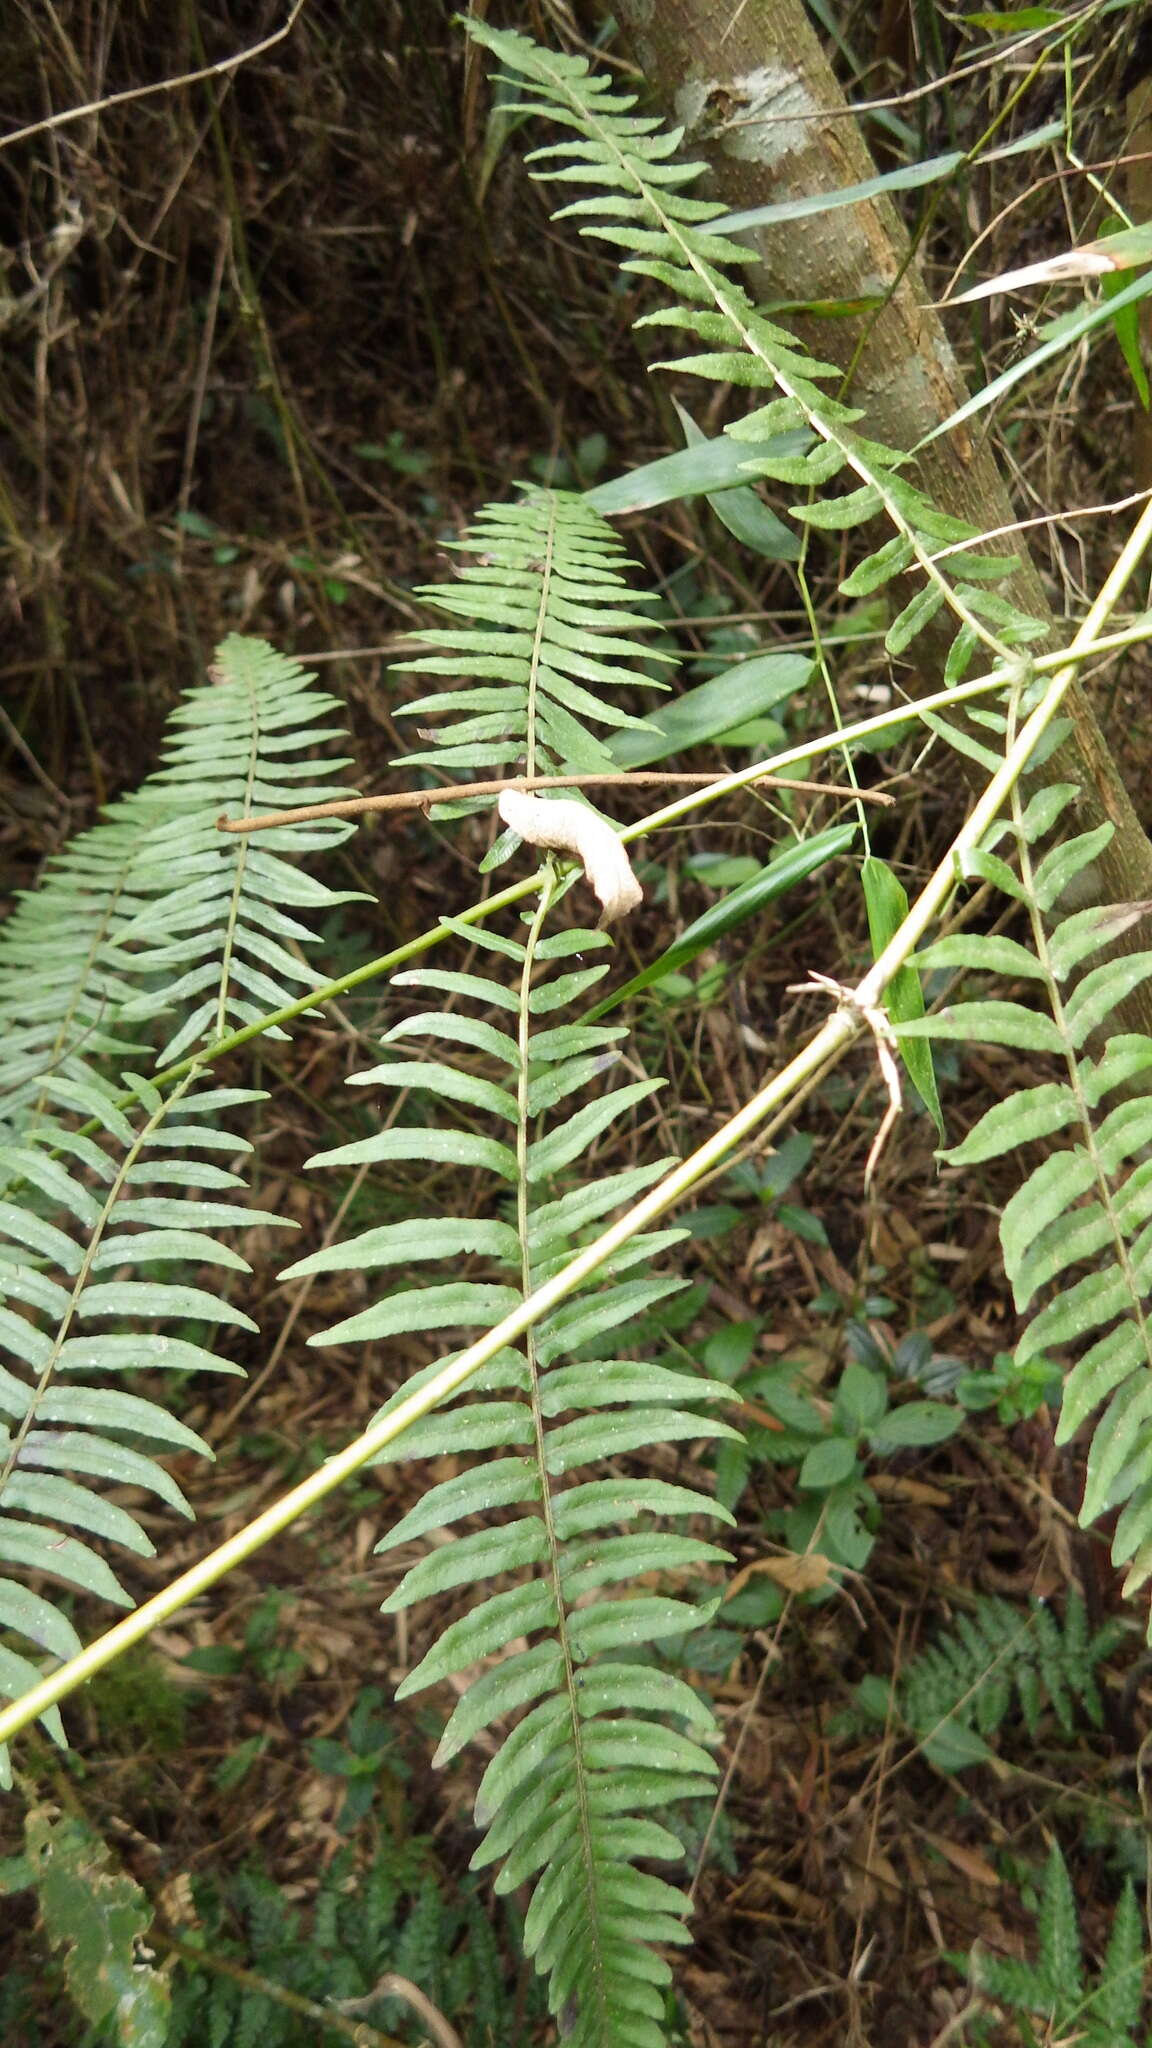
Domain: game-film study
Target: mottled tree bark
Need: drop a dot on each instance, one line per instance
(749, 81)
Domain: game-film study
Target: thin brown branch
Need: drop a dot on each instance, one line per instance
(140, 92)
(423, 799)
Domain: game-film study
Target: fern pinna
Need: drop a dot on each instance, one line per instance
(1078, 1232)
(516, 1095)
(113, 1210)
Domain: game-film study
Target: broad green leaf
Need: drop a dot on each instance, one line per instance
(604, 1688)
(1101, 991)
(1114, 1441)
(1079, 936)
(714, 709)
(139, 1353)
(886, 902)
(704, 467)
(459, 1029)
(642, 1745)
(38, 1620)
(978, 862)
(861, 1399)
(781, 874)
(513, 1683)
(1124, 1132)
(624, 1624)
(878, 569)
(611, 1435)
(147, 1247)
(148, 1298)
(1125, 1056)
(46, 1495)
(959, 738)
(1096, 1299)
(578, 1322)
(1067, 860)
(916, 1423)
(570, 1140)
(609, 1561)
(983, 955)
(480, 1426)
(917, 614)
(833, 515)
(42, 1549)
(827, 1463)
(73, 1450)
(1072, 1238)
(472, 987)
(600, 1503)
(598, 1383)
(742, 511)
(106, 1408)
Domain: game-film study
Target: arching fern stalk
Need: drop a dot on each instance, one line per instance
(107, 1182)
(1079, 1230)
(569, 1801)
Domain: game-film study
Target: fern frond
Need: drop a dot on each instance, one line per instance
(1079, 1229)
(568, 1801)
(216, 932)
(958, 1692)
(1105, 2015)
(112, 1200)
(640, 209)
(552, 616)
(136, 915)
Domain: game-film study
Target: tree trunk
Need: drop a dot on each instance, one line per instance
(758, 99)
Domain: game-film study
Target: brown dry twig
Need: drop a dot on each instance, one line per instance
(423, 799)
(140, 92)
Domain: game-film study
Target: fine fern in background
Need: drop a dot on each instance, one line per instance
(398, 1914)
(109, 1190)
(1052, 1991)
(956, 1694)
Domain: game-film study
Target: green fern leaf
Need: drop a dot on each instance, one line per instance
(562, 1802)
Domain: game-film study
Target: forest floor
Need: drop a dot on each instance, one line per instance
(268, 352)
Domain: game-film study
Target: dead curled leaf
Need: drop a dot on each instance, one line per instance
(797, 1574)
(575, 828)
